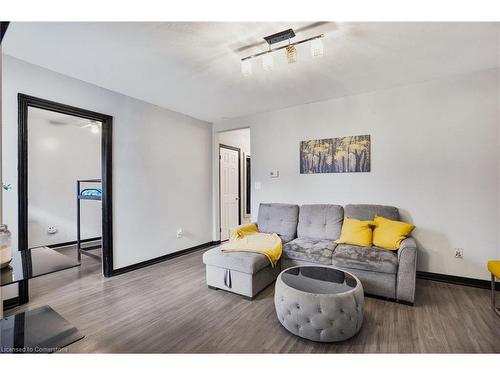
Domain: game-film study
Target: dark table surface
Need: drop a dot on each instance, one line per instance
(33, 263)
(318, 279)
(41, 330)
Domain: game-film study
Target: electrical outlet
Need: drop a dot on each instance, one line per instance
(179, 233)
(459, 252)
(51, 230)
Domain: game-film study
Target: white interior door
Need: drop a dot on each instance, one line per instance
(229, 190)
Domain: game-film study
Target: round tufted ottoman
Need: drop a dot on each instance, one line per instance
(319, 303)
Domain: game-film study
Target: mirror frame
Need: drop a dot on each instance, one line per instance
(26, 101)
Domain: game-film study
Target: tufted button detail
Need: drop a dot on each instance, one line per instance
(341, 310)
(341, 331)
(297, 306)
(297, 326)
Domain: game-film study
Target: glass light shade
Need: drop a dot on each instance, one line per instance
(246, 68)
(317, 49)
(291, 54)
(267, 61)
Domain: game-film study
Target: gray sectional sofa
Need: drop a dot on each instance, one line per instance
(308, 233)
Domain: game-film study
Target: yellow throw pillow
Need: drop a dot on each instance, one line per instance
(388, 234)
(356, 232)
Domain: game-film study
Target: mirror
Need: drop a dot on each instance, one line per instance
(63, 150)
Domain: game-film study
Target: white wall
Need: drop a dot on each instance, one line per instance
(161, 163)
(237, 138)
(435, 155)
(241, 139)
(58, 155)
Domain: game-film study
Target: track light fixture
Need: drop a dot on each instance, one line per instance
(317, 50)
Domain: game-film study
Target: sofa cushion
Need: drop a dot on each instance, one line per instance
(365, 258)
(278, 218)
(238, 261)
(368, 211)
(310, 250)
(320, 221)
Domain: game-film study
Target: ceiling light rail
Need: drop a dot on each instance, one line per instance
(282, 47)
(317, 50)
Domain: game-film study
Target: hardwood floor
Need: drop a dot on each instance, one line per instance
(167, 308)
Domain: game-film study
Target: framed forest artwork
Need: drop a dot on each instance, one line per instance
(336, 155)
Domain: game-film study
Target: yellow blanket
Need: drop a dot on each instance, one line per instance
(247, 238)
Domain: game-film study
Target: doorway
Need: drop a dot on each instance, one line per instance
(65, 158)
(234, 180)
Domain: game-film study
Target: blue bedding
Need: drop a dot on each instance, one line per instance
(91, 192)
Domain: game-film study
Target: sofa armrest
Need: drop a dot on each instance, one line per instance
(407, 270)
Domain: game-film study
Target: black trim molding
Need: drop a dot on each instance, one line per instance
(395, 300)
(11, 303)
(458, 280)
(71, 243)
(26, 101)
(3, 29)
(162, 258)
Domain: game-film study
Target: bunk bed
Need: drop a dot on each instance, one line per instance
(94, 194)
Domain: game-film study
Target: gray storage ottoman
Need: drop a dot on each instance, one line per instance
(239, 272)
(248, 273)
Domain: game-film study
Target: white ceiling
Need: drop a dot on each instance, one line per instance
(194, 67)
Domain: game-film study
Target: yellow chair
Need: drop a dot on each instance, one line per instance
(494, 268)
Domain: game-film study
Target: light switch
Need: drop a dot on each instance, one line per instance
(257, 186)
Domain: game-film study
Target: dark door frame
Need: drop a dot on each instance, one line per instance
(3, 29)
(239, 184)
(248, 184)
(26, 101)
